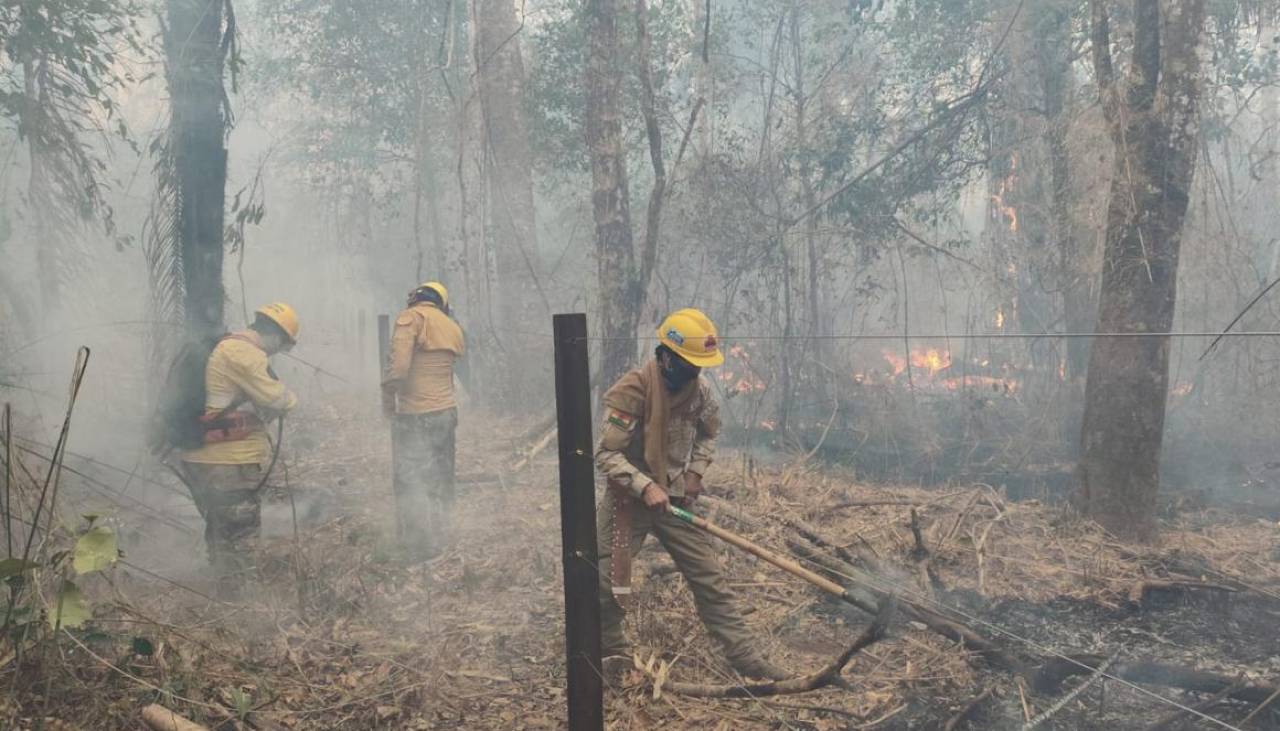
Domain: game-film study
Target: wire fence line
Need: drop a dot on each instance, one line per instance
(728, 337)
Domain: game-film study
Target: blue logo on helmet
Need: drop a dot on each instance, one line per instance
(675, 336)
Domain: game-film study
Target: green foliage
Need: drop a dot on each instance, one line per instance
(356, 73)
(71, 610)
(95, 550)
(66, 61)
(11, 567)
(143, 647)
(241, 702)
(555, 98)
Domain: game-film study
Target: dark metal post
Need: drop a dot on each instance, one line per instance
(578, 524)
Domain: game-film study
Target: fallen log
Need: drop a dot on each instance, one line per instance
(969, 708)
(1142, 588)
(1062, 702)
(1049, 676)
(935, 620)
(1201, 707)
(535, 450)
(803, 684)
(1262, 707)
(159, 718)
(1048, 672)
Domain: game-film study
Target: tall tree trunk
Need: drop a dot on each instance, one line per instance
(818, 325)
(1154, 124)
(512, 219)
(1053, 51)
(615, 254)
(198, 126)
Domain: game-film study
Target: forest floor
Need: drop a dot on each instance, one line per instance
(343, 633)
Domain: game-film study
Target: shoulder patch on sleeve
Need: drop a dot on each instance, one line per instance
(621, 419)
(406, 318)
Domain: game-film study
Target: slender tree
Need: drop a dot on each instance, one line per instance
(508, 165)
(615, 252)
(1153, 118)
(58, 88)
(186, 242)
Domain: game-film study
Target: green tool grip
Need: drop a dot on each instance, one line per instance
(681, 513)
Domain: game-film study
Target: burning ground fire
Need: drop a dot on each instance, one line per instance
(927, 364)
(741, 379)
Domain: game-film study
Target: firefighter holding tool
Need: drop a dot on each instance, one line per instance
(658, 438)
(226, 467)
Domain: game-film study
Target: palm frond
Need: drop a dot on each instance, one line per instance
(162, 250)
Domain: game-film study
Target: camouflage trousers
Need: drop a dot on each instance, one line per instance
(423, 451)
(230, 503)
(694, 554)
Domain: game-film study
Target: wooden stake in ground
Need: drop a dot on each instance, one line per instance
(159, 718)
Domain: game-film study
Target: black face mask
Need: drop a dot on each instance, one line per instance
(676, 371)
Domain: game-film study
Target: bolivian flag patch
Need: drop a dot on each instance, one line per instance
(621, 419)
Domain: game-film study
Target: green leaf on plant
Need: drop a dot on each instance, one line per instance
(14, 566)
(71, 610)
(95, 550)
(143, 646)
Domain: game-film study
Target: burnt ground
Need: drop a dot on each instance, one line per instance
(344, 633)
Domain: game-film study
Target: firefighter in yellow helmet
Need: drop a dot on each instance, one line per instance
(658, 438)
(226, 475)
(418, 395)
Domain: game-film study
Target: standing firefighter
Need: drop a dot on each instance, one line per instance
(227, 472)
(417, 392)
(658, 438)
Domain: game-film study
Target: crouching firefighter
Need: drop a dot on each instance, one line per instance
(226, 464)
(658, 438)
(418, 395)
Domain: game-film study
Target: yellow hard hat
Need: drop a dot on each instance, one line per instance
(436, 287)
(282, 315)
(692, 335)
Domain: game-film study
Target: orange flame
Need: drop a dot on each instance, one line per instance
(931, 359)
(1007, 211)
(897, 364)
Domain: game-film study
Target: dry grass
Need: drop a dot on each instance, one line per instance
(344, 634)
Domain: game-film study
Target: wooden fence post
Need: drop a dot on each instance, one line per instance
(578, 524)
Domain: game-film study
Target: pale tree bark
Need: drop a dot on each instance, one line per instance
(1020, 193)
(615, 255)
(196, 59)
(522, 306)
(1154, 124)
(818, 326)
(653, 132)
(1074, 281)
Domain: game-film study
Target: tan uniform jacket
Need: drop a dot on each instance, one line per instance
(424, 346)
(691, 443)
(237, 371)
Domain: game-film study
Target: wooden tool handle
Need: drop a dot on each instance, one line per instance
(781, 562)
